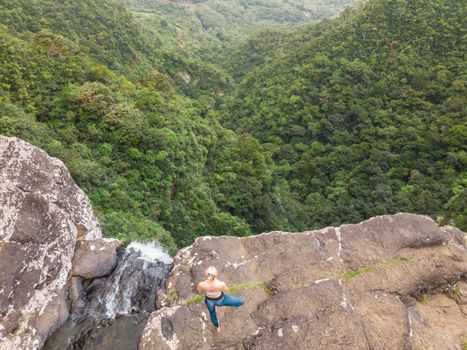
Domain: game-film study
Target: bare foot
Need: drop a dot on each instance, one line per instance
(218, 327)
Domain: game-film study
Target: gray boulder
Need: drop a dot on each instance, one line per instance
(95, 258)
(42, 212)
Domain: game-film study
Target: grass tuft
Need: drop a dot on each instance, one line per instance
(262, 284)
(457, 294)
(195, 300)
(370, 268)
(248, 285)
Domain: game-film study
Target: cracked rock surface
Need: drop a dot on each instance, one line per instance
(392, 282)
(42, 213)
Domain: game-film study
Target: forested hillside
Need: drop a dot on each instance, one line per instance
(366, 114)
(199, 37)
(206, 28)
(285, 129)
(111, 35)
(156, 164)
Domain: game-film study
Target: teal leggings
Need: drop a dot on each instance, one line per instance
(223, 300)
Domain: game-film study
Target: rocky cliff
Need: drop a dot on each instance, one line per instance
(57, 272)
(42, 213)
(392, 282)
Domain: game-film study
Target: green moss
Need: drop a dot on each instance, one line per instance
(464, 345)
(374, 267)
(302, 285)
(23, 319)
(425, 299)
(172, 298)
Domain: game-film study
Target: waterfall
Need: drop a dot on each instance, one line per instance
(139, 274)
(117, 305)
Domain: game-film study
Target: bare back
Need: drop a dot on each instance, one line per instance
(212, 288)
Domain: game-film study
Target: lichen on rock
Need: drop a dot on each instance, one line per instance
(41, 212)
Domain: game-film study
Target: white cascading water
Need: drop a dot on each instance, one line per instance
(119, 304)
(141, 264)
(151, 252)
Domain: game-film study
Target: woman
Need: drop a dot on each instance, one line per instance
(215, 296)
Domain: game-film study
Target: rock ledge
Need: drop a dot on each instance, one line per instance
(392, 282)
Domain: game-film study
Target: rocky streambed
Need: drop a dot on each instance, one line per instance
(110, 312)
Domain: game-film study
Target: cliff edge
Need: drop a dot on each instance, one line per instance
(391, 282)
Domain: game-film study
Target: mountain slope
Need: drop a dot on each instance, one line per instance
(105, 29)
(368, 117)
(111, 35)
(156, 164)
(357, 116)
(208, 27)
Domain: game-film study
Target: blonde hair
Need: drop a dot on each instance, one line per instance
(211, 272)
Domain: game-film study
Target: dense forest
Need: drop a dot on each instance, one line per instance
(205, 32)
(155, 163)
(202, 27)
(278, 128)
(366, 114)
